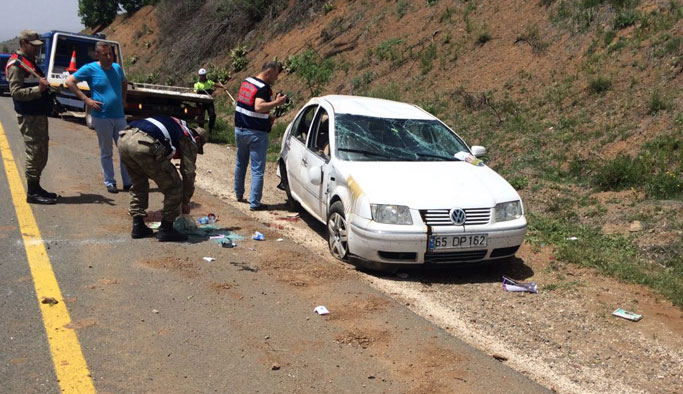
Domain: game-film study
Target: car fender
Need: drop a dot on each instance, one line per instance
(352, 197)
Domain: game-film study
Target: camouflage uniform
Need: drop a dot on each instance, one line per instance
(136, 150)
(33, 127)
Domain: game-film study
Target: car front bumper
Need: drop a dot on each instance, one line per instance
(394, 244)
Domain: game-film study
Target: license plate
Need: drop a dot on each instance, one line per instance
(441, 242)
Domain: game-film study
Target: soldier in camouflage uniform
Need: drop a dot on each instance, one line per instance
(32, 104)
(146, 147)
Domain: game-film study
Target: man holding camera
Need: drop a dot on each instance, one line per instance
(252, 125)
(146, 147)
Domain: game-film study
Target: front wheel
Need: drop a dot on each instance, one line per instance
(337, 233)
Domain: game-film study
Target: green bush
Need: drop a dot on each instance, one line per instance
(599, 85)
(223, 132)
(519, 182)
(402, 8)
(625, 19)
(239, 58)
(389, 50)
(427, 58)
(483, 37)
(656, 169)
(657, 102)
(361, 84)
(619, 173)
(312, 69)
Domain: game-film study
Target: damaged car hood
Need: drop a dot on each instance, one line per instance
(428, 185)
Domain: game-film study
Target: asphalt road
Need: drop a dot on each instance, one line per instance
(157, 318)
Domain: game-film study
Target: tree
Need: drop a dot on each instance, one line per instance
(94, 13)
(314, 70)
(132, 5)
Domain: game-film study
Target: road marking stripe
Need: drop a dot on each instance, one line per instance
(70, 366)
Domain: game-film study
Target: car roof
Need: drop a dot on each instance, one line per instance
(373, 107)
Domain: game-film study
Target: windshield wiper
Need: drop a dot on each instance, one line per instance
(447, 158)
(366, 152)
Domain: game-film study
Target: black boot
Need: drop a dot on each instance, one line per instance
(167, 233)
(46, 193)
(33, 195)
(140, 229)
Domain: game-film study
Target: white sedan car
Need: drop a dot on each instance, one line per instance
(395, 185)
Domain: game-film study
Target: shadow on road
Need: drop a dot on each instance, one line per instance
(487, 272)
(85, 198)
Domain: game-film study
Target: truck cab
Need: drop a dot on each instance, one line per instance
(4, 85)
(142, 100)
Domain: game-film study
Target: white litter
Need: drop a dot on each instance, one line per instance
(279, 240)
(209, 259)
(321, 310)
(512, 285)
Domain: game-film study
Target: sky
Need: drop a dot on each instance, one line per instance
(39, 15)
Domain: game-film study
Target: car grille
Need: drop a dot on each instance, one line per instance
(455, 257)
(442, 217)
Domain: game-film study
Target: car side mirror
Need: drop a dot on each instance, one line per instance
(478, 151)
(315, 174)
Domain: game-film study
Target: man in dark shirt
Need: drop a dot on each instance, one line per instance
(252, 125)
(146, 147)
(29, 90)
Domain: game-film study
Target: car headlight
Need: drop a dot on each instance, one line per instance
(508, 211)
(391, 214)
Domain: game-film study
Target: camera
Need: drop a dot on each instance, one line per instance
(287, 100)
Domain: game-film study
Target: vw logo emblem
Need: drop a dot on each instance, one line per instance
(458, 216)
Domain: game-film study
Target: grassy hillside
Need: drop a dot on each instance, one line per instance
(578, 102)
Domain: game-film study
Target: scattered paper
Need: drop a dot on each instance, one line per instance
(209, 259)
(469, 158)
(627, 315)
(279, 239)
(321, 310)
(512, 285)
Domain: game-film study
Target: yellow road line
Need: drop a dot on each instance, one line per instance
(70, 366)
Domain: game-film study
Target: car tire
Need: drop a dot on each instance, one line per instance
(88, 118)
(291, 202)
(337, 232)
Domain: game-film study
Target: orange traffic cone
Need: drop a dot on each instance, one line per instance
(72, 64)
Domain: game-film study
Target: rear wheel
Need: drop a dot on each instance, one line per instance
(337, 233)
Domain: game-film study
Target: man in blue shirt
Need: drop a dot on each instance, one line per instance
(252, 125)
(108, 87)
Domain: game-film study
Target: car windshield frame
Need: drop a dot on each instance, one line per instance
(367, 138)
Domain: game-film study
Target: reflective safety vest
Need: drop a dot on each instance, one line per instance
(39, 106)
(207, 86)
(246, 116)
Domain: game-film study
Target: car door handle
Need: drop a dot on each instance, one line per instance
(304, 162)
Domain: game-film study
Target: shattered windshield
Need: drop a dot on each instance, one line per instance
(364, 138)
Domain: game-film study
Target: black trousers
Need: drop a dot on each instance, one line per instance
(211, 110)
